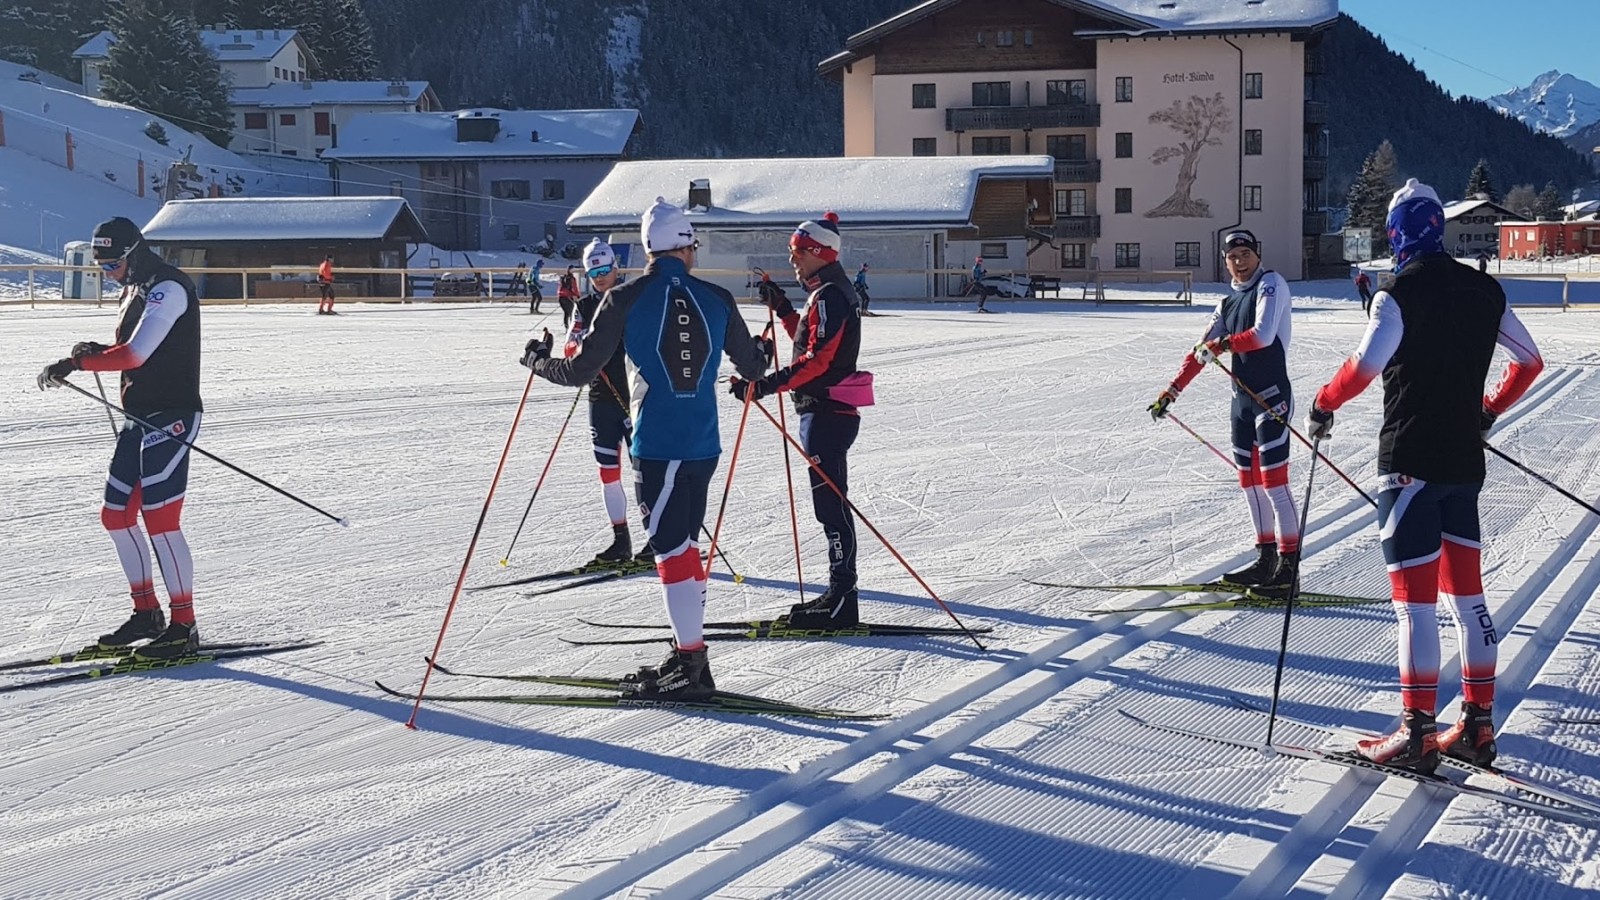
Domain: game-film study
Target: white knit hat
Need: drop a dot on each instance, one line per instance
(1413, 190)
(665, 227)
(598, 254)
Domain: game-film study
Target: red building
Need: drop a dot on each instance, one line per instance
(1535, 240)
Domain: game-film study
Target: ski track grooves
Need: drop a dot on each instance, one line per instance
(1317, 834)
(796, 792)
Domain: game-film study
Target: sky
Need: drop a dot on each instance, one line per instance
(1480, 47)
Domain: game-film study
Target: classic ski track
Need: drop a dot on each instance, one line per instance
(813, 815)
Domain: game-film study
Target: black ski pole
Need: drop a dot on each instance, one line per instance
(722, 554)
(206, 453)
(1294, 593)
(506, 559)
(1541, 479)
(110, 417)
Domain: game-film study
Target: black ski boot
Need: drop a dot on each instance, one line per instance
(686, 675)
(1471, 738)
(1414, 745)
(620, 551)
(1258, 572)
(836, 608)
(179, 640)
(143, 625)
(1282, 578)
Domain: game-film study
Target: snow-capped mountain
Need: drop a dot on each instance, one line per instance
(1555, 103)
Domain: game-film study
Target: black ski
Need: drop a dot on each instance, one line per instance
(1243, 591)
(774, 629)
(600, 578)
(1508, 779)
(606, 570)
(92, 653)
(130, 665)
(1350, 761)
(1239, 602)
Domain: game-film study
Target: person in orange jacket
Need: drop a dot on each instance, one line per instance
(325, 279)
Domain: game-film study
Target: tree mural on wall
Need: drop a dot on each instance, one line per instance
(1198, 119)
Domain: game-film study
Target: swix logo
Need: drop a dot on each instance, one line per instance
(175, 428)
(1394, 482)
(1280, 409)
(1486, 625)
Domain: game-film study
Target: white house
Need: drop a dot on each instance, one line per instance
(306, 118)
(1472, 226)
(905, 217)
(249, 57)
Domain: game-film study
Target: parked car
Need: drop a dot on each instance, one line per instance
(1001, 285)
(457, 284)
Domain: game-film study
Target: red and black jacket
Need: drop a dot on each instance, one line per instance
(827, 340)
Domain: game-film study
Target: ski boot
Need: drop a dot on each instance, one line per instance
(1281, 581)
(618, 554)
(685, 675)
(178, 641)
(1414, 745)
(834, 609)
(1258, 572)
(143, 625)
(1471, 738)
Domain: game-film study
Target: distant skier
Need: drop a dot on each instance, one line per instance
(535, 292)
(1364, 288)
(157, 350)
(1253, 323)
(1432, 335)
(978, 286)
(861, 290)
(325, 281)
(675, 438)
(567, 295)
(828, 391)
(610, 428)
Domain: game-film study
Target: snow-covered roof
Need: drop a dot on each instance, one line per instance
(96, 47)
(284, 219)
(761, 194)
(242, 44)
(325, 93)
(1129, 17)
(432, 135)
(1462, 207)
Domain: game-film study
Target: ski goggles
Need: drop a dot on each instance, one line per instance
(601, 271)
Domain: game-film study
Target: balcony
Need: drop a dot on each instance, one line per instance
(1078, 170)
(1021, 118)
(1077, 227)
(1314, 64)
(1316, 168)
(1316, 112)
(1313, 223)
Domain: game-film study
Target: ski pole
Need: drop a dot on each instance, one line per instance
(107, 401)
(455, 595)
(506, 560)
(727, 487)
(873, 528)
(1209, 446)
(1541, 479)
(1292, 430)
(1294, 592)
(788, 470)
(165, 435)
(723, 555)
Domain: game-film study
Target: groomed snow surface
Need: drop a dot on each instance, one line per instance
(1003, 447)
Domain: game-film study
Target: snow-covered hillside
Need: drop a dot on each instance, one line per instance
(1556, 103)
(1003, 448)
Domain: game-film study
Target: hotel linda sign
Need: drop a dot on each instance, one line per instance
(1187, 77)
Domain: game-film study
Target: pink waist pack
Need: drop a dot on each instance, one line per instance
(854, 390)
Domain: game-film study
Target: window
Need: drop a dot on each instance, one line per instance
(1006, 38)
(1125, 89)
(1252, 197)
(255, 121)
(1186, 254)
(1072, 202)
(1252, 85)
(992, 251)
(1124, 145)
(924, 96)
(1061, 93)
(395, 189)
(1027, 37)
(991, 93)
(291, 152)
(277, 73)
(324, 122)
(991, 146)
(1124, 200)
(510, 232)
(555, 189)
(1072, 256)
(1252, 142)
(509, 189)
(1127, 256)
(285, 119)
(1067, 146)
(924, 146)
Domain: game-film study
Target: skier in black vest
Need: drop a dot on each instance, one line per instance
(1432, 336)
(157, 350)
(1253, 323)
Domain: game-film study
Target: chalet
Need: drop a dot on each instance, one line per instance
(1472, 227)
(305, 118)
(249, 57)
(1170, 123)
(486, 179)
(1537, 240)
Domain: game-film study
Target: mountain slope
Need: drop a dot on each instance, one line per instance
(1555, 103)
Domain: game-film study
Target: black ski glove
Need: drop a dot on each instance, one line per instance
(537, 348)
(87, 348)
(759, 389)
(773, 298)
(57, 372)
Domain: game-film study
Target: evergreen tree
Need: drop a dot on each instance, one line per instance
(227, 13)
(1370, 192)
(357, 58)
(44, 33)
(1521, 200)
(1479, 182)
(158, 64)
(336, 31)
(1548, 204)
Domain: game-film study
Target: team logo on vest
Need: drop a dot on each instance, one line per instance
(1394, 482)
(685, 344)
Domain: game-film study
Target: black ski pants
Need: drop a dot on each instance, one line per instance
(827, 438)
